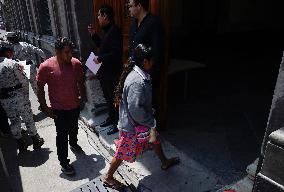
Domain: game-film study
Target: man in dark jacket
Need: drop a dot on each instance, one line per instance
(147, 29)
(110, 47)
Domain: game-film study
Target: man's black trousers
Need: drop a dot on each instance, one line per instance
(108, 86)
(66, 123)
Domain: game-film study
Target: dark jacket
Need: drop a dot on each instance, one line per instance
(110, 48)
(150, 33)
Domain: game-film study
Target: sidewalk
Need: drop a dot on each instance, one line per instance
(36, 171)
(146, 174)
(40, 170)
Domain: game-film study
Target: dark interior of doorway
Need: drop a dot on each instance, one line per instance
(222, 122)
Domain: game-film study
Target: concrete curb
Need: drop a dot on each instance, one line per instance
(188, 176)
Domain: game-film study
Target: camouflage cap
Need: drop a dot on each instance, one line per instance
(11, 34)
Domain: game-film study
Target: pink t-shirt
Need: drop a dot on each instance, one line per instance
(62, 83)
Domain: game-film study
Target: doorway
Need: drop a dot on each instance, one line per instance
(221, 121)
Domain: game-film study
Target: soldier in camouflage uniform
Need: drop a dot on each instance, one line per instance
(24, 51)
(13, 100)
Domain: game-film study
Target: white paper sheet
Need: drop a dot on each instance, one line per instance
(91, 64)
(27, 68)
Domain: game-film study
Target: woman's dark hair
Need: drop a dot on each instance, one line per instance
(108, 11)
(141, 52)
(143, 3)
(61, 42)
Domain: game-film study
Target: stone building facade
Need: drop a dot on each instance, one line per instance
(40, 22)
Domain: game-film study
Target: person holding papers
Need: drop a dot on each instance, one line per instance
(110, 47)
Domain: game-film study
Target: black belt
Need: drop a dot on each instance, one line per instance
(29, 62)
(9, 89)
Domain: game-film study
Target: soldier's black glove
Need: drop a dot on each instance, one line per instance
(29, 62)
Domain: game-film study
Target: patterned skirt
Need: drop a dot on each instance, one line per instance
(128, 148)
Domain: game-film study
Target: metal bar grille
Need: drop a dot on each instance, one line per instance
(96, 185)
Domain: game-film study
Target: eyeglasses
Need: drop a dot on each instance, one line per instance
(131, 5)
(99, 15)
(64, 40)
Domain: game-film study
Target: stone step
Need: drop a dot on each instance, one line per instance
(145, 174)
(244, 185)
(251, 170)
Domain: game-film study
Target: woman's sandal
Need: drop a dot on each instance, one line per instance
(174, 161)
(116, 185)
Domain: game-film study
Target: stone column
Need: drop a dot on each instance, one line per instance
(276, 116)
(52, 17)
(30, 15)
(63, 24)
(34, 16)
(96, 103)
(275, 119)
(275, 122)
(79, 16)
(74, 22)
(271, 176)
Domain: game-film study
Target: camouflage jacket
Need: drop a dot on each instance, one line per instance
(24, 51)
(11, 74)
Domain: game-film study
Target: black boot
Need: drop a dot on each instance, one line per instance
(37, 141)
(22, 145)
(112, 130)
